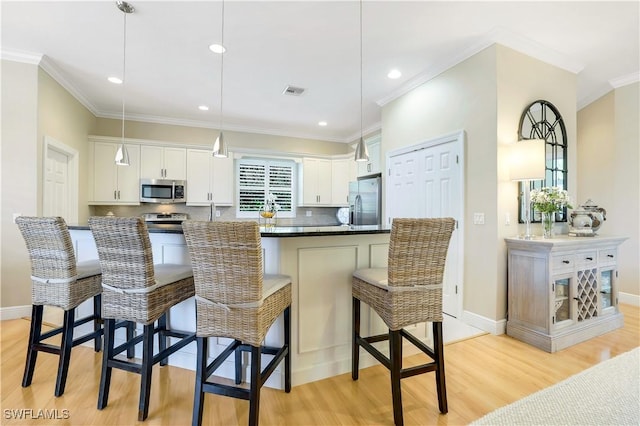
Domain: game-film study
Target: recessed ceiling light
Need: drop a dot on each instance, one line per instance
(115, 80)
(203, 108)
(394, 74)
(322, 123)
(217, 48)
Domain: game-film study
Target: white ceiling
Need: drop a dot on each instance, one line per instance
(314, 45)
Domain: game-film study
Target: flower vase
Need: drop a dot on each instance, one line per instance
(548, 220)
(269, 218)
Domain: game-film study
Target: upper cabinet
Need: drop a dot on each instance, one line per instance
(315, 182)
(374, 163)
(209, 179)
(158, 162)
(342, 172)
(112, 184)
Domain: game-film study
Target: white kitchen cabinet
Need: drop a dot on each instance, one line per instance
(163, 162)
(340, 178)
(374, 164)
(110, 183)
(315, 182)
(209, 179)
(563, 290)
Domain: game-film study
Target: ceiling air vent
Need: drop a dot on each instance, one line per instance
(293, 91)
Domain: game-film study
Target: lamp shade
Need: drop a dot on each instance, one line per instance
(527, 160)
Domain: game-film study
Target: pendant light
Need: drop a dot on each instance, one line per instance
(122, 155)
(220, 146)
(362, 153)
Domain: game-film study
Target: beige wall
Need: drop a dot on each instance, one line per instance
(19, 176)
(608, 172)
(521, 81)
(484, 96)
(203, 136)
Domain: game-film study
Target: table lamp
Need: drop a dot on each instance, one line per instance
(527, 163)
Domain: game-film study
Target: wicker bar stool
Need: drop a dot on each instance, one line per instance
(136, 290)
(234, 299)
(57, 280)
(409, 291)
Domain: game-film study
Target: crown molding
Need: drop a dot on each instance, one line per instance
(50, 68)
(625, 80)
(614, 83)
(21, 56)
(496, 36)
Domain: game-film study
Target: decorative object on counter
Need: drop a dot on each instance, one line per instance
(122, 155)
(57, 280)
(586, 220)
(237, 300)
(409, 291)
(220, 146)
(362, 152)
(343, 215)
(526, 164)
(548, 201)
(269, 211)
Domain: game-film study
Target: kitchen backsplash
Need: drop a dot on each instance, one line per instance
(319, 215)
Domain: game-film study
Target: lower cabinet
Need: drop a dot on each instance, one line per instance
(562, 291)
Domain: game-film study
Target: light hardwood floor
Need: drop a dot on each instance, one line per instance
(482, 373)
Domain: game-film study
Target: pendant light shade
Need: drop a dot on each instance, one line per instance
(122, 155)
(362, 153)
(220, 146)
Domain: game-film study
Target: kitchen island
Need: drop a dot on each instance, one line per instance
(320, 261)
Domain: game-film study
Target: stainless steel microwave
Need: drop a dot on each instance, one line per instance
(163, 191)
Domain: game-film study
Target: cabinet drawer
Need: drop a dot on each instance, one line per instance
(607, 256)
(586, 259)
(562, 261)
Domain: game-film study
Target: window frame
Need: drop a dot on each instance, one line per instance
(267, 162)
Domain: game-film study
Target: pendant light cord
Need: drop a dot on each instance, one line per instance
(222, 66)
(361, 131)
(124, 69)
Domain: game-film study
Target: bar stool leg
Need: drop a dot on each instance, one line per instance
(147, 367)
(162, 337)
(395, 350)
(130, 329)
(65, 350)
(201, 368)
(107, 356)
(440, 379)
(355, 348)
(238, 365)
(34, 339)
(287, 342)
(254, 399)
(97, 312)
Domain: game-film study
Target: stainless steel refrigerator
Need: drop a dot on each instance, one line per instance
(365, 200)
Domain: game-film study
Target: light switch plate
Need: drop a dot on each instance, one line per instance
(478, 218)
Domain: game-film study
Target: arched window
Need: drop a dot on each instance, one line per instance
(541, 120)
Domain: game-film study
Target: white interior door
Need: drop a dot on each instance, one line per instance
(426, 181)
(56, 184)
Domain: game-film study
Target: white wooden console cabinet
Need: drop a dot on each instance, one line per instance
(562, 291)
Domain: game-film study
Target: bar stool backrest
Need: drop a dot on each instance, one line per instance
(49, 246)
(226, 258)
(418, 251)
(124, 249)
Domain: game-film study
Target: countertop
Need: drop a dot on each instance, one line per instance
(278, 231)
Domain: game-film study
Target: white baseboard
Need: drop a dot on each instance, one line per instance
(485, 324)
(629, 299)
(15, 312)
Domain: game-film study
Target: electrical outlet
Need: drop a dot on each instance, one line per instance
(507, 219)
(478, 218)
(309, 213)
(217, 213)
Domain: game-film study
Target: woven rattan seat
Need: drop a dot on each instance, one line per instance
(57, 280)
(409, 291)
(136, 290)
(235, 299)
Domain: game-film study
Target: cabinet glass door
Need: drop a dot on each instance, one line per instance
(562, 305)
(606, 289)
